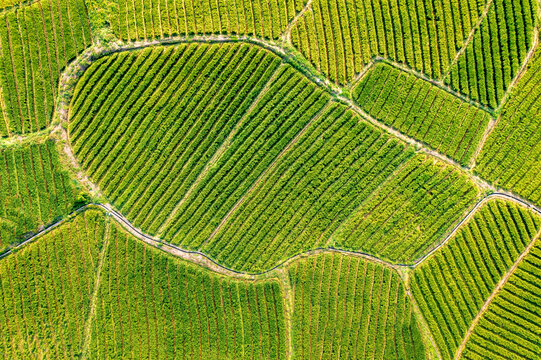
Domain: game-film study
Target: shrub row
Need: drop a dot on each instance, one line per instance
(422, 110)
(451, 286)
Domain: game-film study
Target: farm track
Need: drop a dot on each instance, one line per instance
(75, 69)
(209, 263)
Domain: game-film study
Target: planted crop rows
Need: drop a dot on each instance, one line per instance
(421, 110)
(155, 306)
(512, 323)
(253, 164)
(88, 289)
(452, 286)
(37, 41)
(309, 191)
(34, 190)
(46, 291)
(348, 308)
(511, 157)
(340, 37)
(134, 20)
(402, 219)
(492, 59)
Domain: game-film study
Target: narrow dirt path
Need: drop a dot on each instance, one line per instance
(469, 38)
(94, 299)
(286, 36)
(498, 288)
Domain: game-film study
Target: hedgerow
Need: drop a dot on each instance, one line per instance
(38, 40)
(510, 158)
(452, 286)
(348, 308)
(422, 110)
(34, 190)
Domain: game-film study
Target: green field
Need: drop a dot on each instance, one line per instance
(282, 179)
(452, 286)
(34, 190)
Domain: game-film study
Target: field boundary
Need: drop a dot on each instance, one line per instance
(208, 262)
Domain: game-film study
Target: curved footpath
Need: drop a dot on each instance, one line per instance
(211, 264)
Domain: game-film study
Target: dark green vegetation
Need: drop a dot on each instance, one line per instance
(37, 43)
(134, 20)
(452, 285)
(349, 308)
(511, 157)
(34, 190)
(265, 164)
(88, 288)
(512, 322)
(421, 110)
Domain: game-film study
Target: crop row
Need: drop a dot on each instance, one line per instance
(511, 157)
(147, 304)
(252, 164)
(216, 85)
(37, 42)
(273, 121)
(134, 20)
(335, 164)
(155, 306)
(451, 286)
(421, 110)
(340, 37)
(512, 322)
(45, 291)
(409, 212)
(34, 190)
(495, 54)
(349, 308)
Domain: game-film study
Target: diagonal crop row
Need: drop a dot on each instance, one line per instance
(452, 286)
